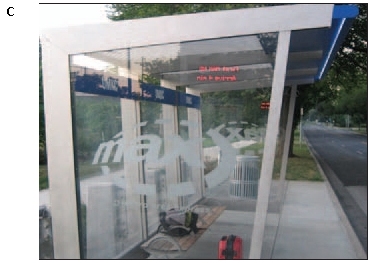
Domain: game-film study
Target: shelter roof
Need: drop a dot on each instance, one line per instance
(215, 51)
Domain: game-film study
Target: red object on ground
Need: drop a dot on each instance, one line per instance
(230, 247)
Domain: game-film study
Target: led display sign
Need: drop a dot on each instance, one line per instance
(217, 73)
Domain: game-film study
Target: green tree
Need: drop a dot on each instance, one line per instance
(238, 105)
(351, 60)
(354, 103)
(97, 118)
(346, 77)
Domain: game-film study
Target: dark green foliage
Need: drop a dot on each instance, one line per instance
(43, 177)
(354, 102)
(42, 153)
(352, 57)
(344, 89)
(221, 107)
(42, 140)
(98, 119)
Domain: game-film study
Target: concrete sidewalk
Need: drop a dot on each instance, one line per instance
(311, 226)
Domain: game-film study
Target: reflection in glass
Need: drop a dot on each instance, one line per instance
(143, 147)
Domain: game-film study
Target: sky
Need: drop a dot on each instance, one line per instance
(62, 15)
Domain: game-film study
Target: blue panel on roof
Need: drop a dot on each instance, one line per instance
(345, 11)
(343, 17)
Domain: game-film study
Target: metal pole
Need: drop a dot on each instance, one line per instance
(270, 144)
(287, 141)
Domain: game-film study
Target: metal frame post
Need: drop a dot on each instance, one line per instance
(59, 143)
(270, 144)
(287, 141)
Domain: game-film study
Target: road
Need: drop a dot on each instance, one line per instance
(342, 155)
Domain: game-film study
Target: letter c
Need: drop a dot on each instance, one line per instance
(7, 11)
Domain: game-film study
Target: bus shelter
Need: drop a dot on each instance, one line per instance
(135, 126)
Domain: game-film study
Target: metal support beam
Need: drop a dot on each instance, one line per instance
(287, 141)
(194, 117)
(270, 144)
(59, 143)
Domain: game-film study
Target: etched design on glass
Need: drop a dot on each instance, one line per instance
(225, 152)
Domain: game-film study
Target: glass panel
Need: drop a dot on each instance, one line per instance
(143, 147)
(99, 159)
(234, 133)
(98, 146)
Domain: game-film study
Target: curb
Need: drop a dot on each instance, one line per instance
(358, 248)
